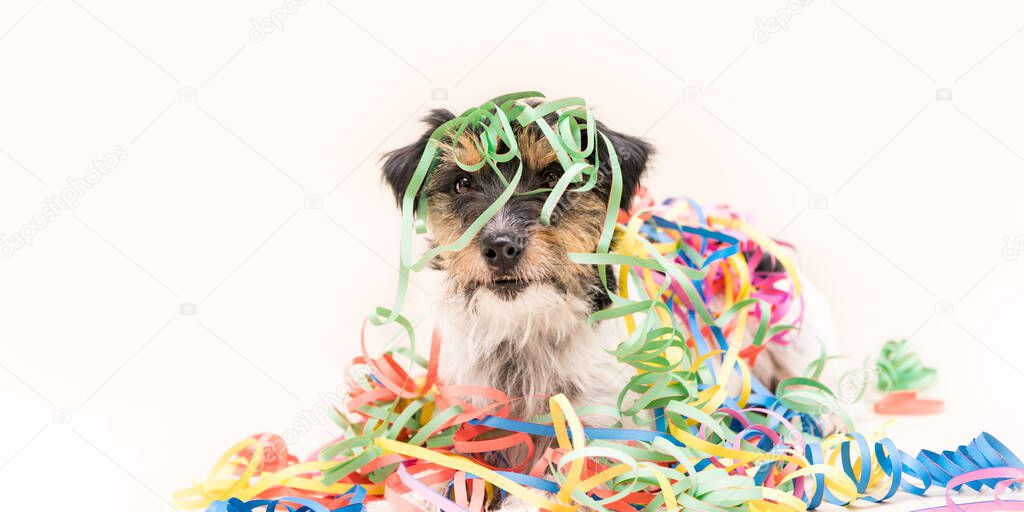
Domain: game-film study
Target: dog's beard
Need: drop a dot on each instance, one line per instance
(538, 310)
(570, 280)
(506, 288)
(468, 280)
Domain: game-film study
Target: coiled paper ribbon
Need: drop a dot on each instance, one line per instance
(902, 374)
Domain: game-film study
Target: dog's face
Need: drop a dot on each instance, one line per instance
(514, 251)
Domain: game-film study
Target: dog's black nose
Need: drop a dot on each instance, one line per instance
(502, 251)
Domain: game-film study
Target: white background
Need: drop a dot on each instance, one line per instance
(829, 127)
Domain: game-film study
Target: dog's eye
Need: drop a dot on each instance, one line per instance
(550, 178)
(463, 184)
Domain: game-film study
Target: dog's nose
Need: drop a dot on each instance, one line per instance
(502, 251)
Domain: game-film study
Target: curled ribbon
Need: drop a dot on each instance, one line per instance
(902, 374)
(900, 369)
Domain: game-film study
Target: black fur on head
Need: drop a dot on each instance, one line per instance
(400, 164)
(633, 153)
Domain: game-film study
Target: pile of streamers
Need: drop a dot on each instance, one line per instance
(704, 433)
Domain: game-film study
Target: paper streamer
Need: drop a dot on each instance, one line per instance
(902, 374)
(900, 369)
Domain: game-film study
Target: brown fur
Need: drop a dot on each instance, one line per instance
(545, 257)
(535, 148)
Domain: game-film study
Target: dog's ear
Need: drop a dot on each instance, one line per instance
(400, 164)
(633, 153)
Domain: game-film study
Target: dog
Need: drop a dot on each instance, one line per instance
(516, 306)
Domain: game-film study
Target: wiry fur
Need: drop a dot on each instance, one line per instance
(531, 348)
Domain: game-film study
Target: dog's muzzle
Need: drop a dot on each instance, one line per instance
(502, 251)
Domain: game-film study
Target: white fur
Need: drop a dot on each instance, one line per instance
(550, 333)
